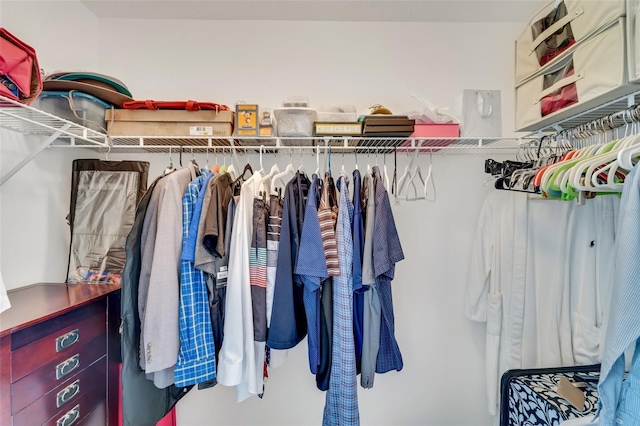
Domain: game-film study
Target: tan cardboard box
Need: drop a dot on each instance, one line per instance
(140, 122)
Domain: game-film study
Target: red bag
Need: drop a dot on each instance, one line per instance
(186, 105)
(20, 77)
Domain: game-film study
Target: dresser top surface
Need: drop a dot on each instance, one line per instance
(39, 302)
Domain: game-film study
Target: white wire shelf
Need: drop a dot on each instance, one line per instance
(67, 134)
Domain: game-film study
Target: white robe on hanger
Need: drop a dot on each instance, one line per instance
(538, 277)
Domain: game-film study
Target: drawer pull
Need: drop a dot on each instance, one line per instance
(66, 340)
(70, 417)
(67, 393)
(67, 366)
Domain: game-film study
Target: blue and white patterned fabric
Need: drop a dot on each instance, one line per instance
(624, 317)
(196, 359)
(387, 251)
(312, 268)
(534, 399)
(341, 407)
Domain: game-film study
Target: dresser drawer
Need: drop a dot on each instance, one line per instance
(98, 417)
(58, 345)
(61, 398)
(81, 409)
(44, 379)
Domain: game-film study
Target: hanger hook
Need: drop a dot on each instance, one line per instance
(261, 148)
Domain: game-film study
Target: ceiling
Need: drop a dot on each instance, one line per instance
(321, 10)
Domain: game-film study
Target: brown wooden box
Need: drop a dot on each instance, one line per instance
(140, 122)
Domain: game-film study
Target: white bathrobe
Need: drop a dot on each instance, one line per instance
(537, 276)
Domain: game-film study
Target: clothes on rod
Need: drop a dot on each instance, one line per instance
(159, 299)
(620, 400)
(341, 407)
(224, 285)
(142, 402)
(196, 359)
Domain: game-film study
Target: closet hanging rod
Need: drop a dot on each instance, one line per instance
(608, 122)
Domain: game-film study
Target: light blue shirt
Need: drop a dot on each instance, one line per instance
(624, 318)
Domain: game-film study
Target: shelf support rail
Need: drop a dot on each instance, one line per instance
(46, 143)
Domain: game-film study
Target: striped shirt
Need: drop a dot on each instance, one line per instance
(326, 216)
(273, 244)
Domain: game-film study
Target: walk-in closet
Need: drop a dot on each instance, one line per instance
(344, 213)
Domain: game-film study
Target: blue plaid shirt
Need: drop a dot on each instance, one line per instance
(341, 407)
(387, 251)
(196, 359)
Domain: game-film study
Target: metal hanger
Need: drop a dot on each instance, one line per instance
(170, 167)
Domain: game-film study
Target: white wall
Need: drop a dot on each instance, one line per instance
(35, 202)
(360, 63)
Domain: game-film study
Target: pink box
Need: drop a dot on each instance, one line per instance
(436, 131)
(439, 135)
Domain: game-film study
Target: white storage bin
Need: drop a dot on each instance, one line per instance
(556, 30)
(599, 74)
(337, 114)
(89, 110)
(295, 122)
(633, 39)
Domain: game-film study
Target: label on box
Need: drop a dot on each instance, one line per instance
(338, 128)
(200, 131)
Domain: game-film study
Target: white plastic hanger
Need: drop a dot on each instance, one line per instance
(282, 175)
(385, 173)
(206, 166)
(416, 173)
(317, 173)
(274, 170)
(232, 169)
(301, 168)
(224, 167)
(261, 166)
(626, 155)
(429, 182)
(405, 179)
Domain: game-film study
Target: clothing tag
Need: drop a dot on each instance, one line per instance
(572, 394)
(200, 130)
(221, 277)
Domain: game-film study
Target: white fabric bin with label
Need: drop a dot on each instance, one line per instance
(633, 39)
(556, 30)
(594, 73)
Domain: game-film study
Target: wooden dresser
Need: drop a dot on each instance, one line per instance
(59, 355)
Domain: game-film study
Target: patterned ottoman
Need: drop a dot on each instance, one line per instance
(529, 397)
